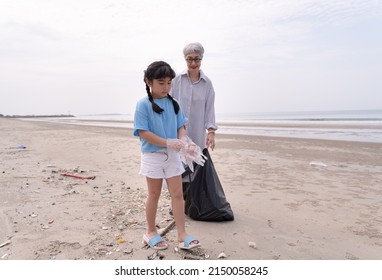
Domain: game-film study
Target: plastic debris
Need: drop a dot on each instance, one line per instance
(152, 256)
(192, 257)
(222, 255)
(128, 251)
(252, 244)
(317, 164)
(156, 254)
(21, 147)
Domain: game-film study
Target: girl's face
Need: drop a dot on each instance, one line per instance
(160, 87)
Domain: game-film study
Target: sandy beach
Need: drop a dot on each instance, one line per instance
(293, 199)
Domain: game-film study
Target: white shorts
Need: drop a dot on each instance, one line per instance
(161, 164)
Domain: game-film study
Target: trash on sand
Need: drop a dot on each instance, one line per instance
(5, 243)
(78, 176)
(317, 163)
(192, 257)
(252, 244)
(21, 147)
(222, 255)
(127, 251)
(152, 256)
(156, 254)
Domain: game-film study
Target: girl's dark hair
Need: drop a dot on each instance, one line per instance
(159, 70)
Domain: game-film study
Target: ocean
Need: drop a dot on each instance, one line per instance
(355, 125)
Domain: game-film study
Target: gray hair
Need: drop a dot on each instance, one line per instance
(194, 47)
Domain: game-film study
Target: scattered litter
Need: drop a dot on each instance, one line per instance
(78, 176)
(33, 215)
(161, 256)
(51, 222)
(5, 243)
(152, 256)
(127, 251)
(21, 147)
(192, 257)
(156, 254)
(317, 164)
(4, 256)
(222, 255)
(252, 244)
(121, 240)
(105, 228)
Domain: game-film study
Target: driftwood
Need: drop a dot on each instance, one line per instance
(78, 176)
(5, 243)
(169, 227)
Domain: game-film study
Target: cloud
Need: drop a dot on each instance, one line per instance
(253, 48)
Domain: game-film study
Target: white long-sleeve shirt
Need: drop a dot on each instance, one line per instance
(198, 103)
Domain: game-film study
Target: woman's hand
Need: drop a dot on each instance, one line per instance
(210, 141)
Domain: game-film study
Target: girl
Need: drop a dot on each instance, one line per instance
(160, 123)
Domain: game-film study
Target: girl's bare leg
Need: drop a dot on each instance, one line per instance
(154, 187)
(174, 185)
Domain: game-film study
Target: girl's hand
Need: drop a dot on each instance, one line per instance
(175, 144)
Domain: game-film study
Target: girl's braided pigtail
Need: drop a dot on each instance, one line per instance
(174, 103)
(155, 106)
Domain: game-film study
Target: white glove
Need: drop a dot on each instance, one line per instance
(192, 153)
(175, 144)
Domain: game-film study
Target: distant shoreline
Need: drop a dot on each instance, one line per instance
(38, 116)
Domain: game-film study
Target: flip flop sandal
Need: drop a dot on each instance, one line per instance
(185, 245)
(153, 241)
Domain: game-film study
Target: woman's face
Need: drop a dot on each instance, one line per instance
(160, 87)
(194, 61)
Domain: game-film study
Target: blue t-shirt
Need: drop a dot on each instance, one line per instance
(164, 125)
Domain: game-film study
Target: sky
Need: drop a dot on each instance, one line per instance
(88, 56)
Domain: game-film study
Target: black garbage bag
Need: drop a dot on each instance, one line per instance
(204, 195)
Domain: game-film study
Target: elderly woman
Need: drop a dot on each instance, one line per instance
(196, 95)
